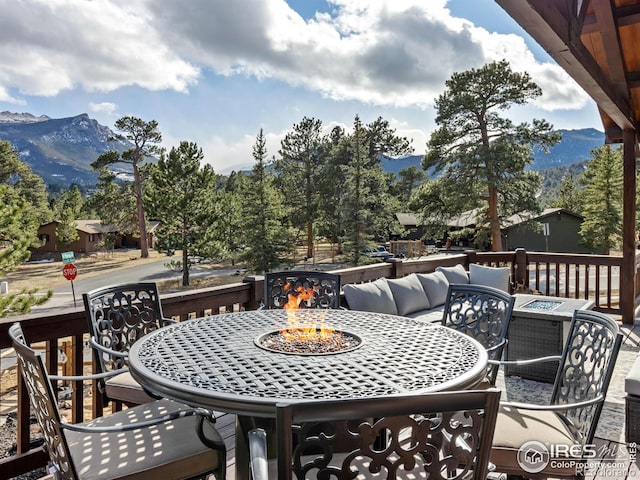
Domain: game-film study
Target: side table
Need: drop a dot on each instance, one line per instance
(538, 328)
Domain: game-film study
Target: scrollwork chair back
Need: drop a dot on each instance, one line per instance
(484, 313)
(300, 289)
(40, 394)
(440, 435)
(585, 371)
(118, 315)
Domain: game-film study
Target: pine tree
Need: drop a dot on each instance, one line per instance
(359, 176)
(181, 194)
(298, 173)
(602, 199)
(67, 232)
(145, 137)
(22, 208)
(479, 155)
(264, 212)
(569, 196)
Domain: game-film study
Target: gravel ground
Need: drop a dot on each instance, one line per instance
(8, 444)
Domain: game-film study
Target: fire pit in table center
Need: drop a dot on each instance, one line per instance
(306, 332)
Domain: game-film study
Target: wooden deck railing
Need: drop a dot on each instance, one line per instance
(577, 276)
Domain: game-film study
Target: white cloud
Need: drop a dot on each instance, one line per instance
(6, 97)
(388, 52)
(559, 90)
(104, 107)
(47, 46)
(226, 156)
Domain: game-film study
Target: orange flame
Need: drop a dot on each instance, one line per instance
(309, 330)
(301, 294)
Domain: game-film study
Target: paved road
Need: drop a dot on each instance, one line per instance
(63, 295)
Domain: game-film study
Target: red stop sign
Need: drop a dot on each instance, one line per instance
(69, 271)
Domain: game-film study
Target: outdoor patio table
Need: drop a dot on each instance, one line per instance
(216, 362)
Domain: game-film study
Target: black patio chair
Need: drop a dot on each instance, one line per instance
(443, 435)
(118, 315)
(160, 439)
(301, 289)
(571, 417)
(483, 313)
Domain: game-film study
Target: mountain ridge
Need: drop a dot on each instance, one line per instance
(61, 150)
(575, 146)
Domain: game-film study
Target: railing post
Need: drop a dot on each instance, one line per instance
(24, 412)
(397, 270)
(520, 276)
(472, 257)
(628, 268)
(257, 291)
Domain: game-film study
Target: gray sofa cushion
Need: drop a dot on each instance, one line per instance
(435, 286)
(433, 315)
(370, 297)
(455, 274)
(496, 277)
(408, 294)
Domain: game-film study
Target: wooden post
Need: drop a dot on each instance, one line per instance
(257, 290)
(397, 270)
(628, 268)
(520, 274)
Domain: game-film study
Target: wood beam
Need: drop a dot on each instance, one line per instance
(628, 268)
(554, 27)
(625, 16)
(611, 42)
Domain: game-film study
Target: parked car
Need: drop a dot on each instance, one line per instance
(379, 252)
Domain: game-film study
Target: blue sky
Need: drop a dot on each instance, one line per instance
(216, 71)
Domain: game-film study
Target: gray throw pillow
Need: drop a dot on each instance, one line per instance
(408, 294)
(370, 297)
(496, 277)
(436, 286)
(456, 274)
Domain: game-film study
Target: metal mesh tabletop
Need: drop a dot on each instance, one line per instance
(215, 362)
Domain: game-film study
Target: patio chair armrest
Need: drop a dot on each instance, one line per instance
(84, 428)
(103, 349)
(168, 321)
(211, 438)
(551, 358)
(498, 346)
(554, 407)
(92, 376)
(258, 454)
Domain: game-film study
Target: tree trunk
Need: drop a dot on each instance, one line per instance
(494, 221)
(185, 267)
(309, 239)
(142, 225)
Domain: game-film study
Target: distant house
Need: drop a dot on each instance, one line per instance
(518, 231)
(415, 231)
(528, 232)
(91, 233)
(410, 223)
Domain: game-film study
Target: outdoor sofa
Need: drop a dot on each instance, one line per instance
(421, 295)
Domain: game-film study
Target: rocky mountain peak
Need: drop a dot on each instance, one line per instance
(60, 150)
(11, 117)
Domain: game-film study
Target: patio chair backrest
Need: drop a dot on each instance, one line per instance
(586, 367)
(43, 402)
(118, 315)
(435, 433)
(483, 313)
(301, 289)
